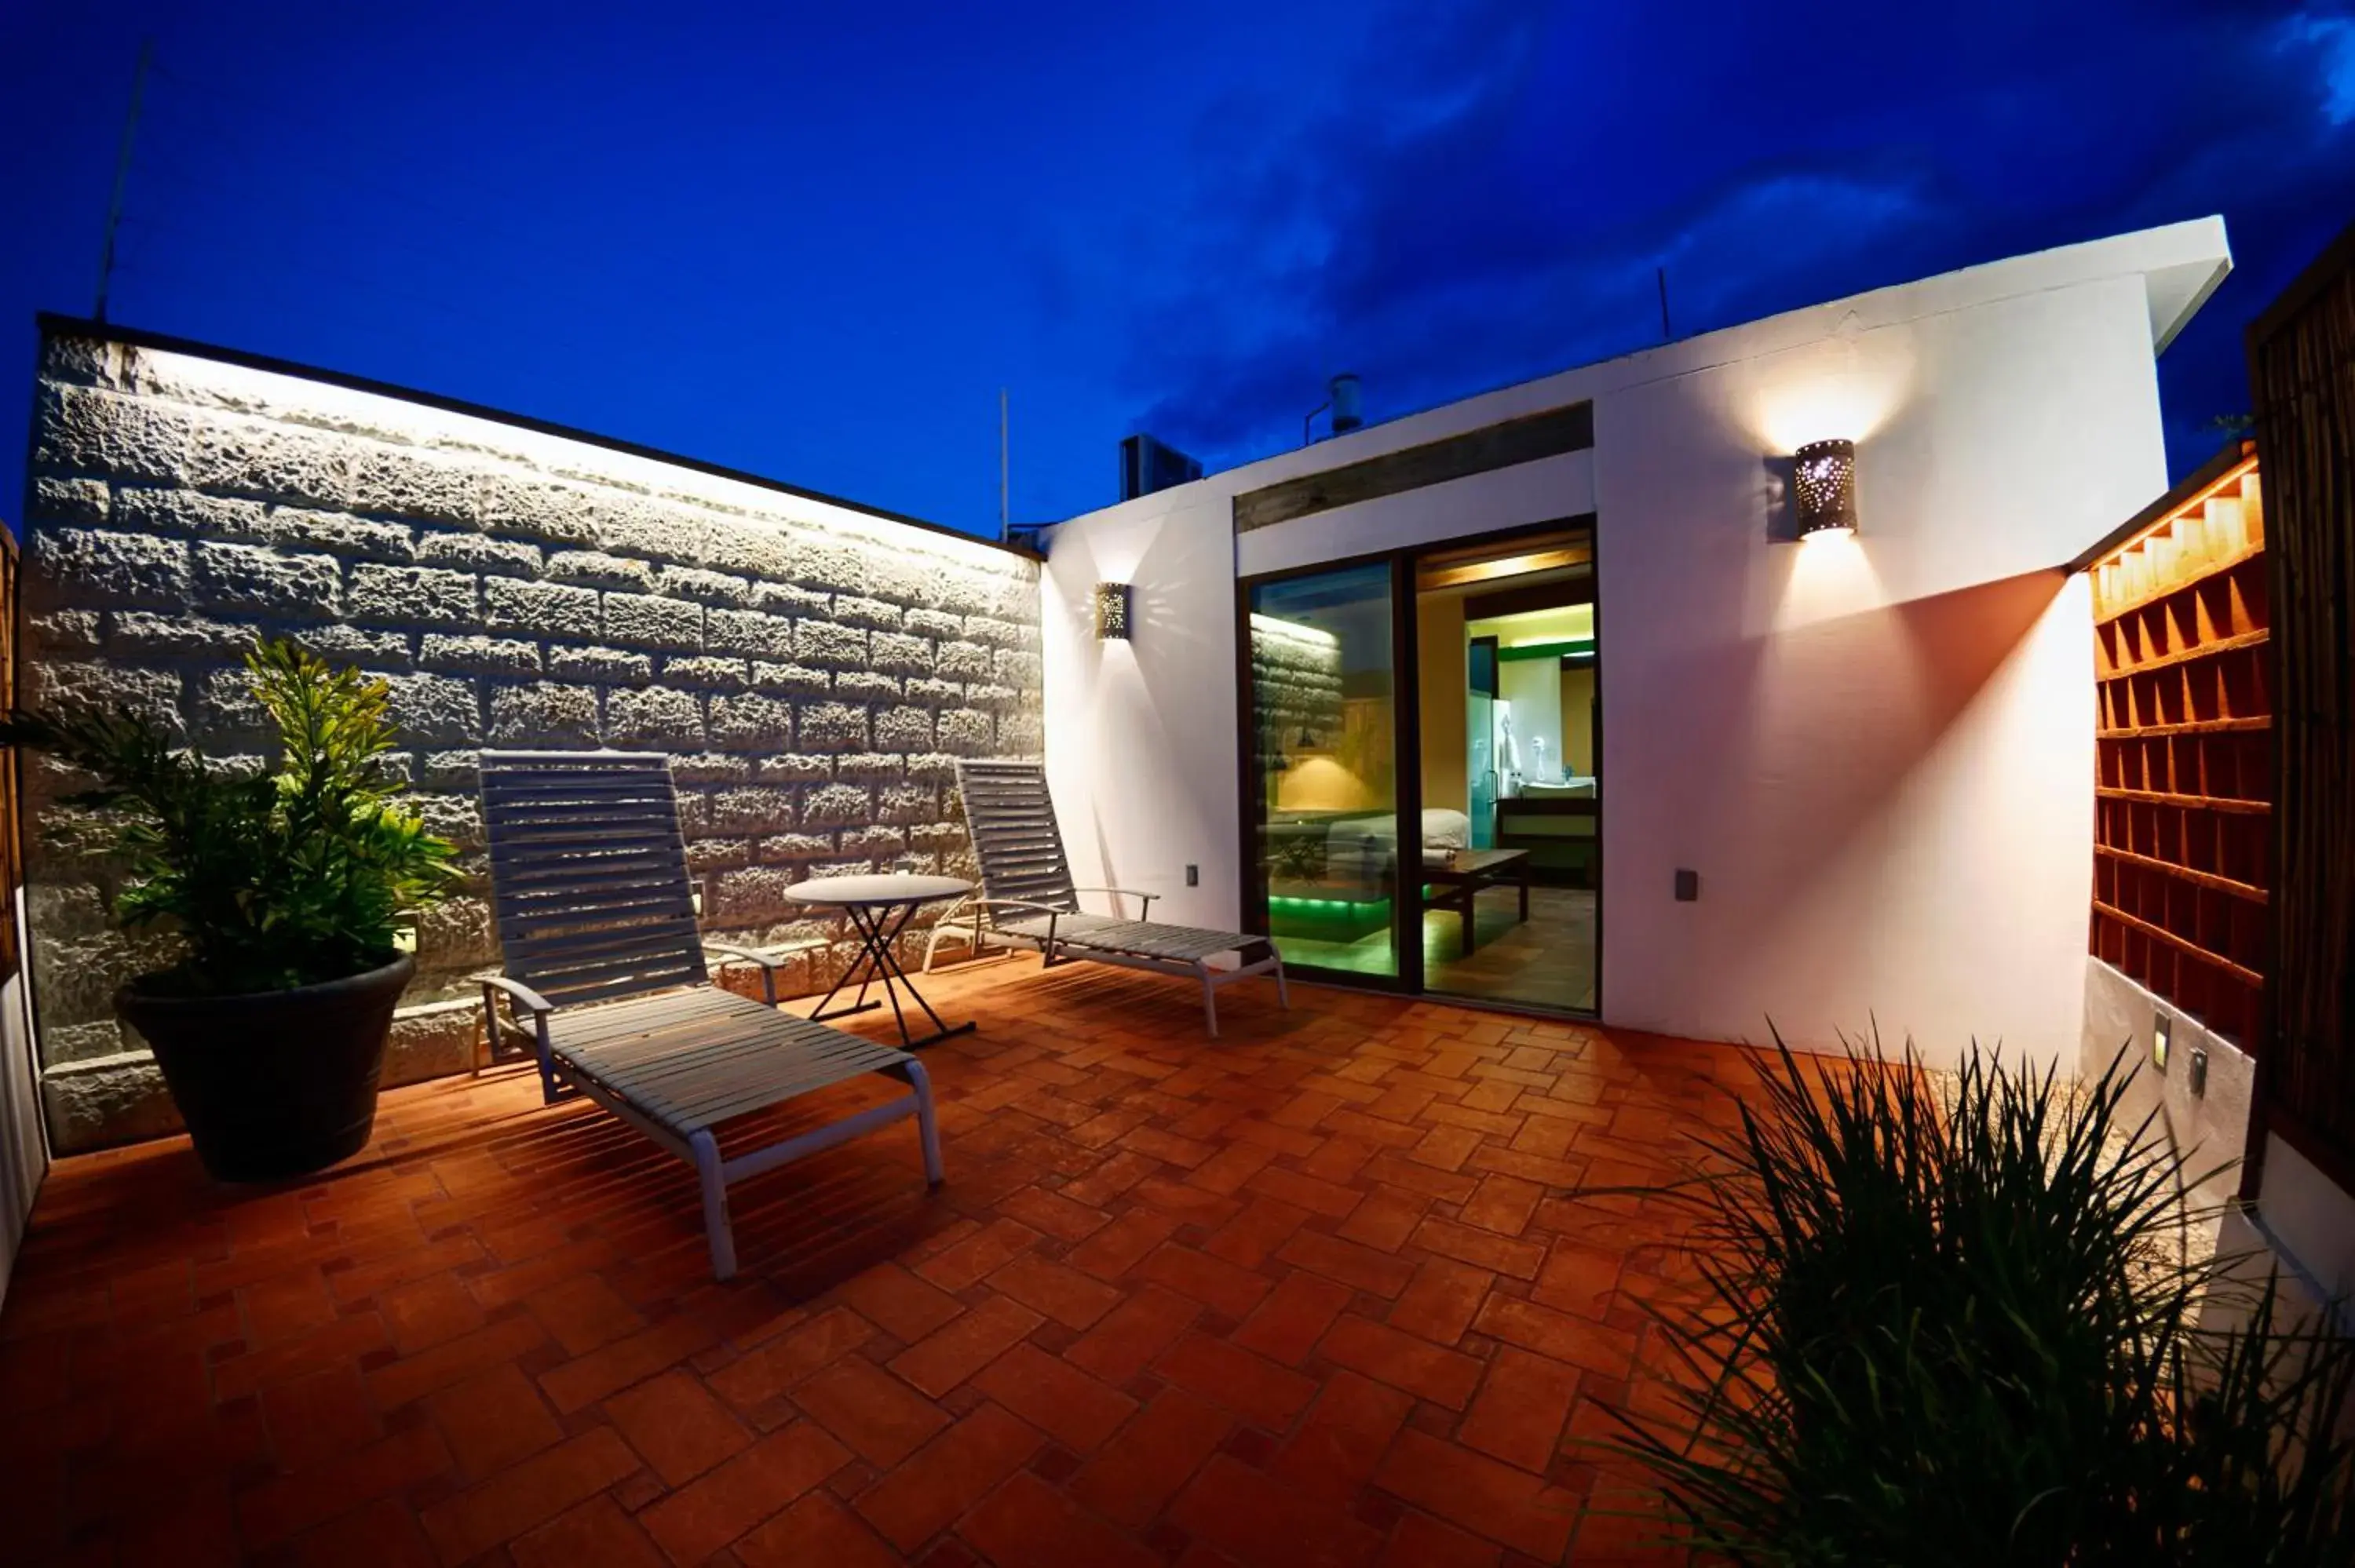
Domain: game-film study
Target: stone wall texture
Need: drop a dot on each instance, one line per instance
(812, 670)
(1296, 672)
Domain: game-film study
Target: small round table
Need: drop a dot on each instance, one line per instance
(879, 909)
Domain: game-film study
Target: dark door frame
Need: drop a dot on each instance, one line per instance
(1407, 794)
(1406, 698)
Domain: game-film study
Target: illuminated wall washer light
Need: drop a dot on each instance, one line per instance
(1823, 484)
(1111, 612)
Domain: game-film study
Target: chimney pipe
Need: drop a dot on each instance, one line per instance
(1348, 413)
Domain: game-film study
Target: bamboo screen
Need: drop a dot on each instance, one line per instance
(2302, 375)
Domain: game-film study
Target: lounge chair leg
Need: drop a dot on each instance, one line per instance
(1282, 991)
(1210, 1001)
(928, 1130)
(716, 1228)
(550, 1091)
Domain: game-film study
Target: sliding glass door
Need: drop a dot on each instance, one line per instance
(1453, 689)
(1321, 786)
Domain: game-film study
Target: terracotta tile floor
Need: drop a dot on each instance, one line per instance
(1305, 1295)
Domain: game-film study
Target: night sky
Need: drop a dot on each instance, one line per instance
(814, 242)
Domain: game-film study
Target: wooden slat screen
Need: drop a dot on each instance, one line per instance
(2182, 857)
(2301, 354)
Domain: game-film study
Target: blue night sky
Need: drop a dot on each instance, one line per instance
(814, 242)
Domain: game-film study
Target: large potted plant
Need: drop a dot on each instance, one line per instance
(286, 890)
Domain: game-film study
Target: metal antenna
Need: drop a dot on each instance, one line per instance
(1004, 475)
(1666, 335)
(122, 176)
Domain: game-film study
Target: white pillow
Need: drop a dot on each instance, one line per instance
(1446, 829)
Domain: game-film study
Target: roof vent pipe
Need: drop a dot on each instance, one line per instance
(1348, 413)
(1341, 398)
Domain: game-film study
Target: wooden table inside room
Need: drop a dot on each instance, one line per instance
(1459, 878)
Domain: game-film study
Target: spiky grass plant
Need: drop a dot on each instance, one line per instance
(1955, 1321)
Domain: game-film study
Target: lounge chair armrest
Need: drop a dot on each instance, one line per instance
(522, 994)
(767, 957)
(1052, 914)
(1145, 910)
(770, 961)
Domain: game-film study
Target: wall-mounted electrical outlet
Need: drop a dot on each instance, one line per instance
(1193, 876)
(2198, 1075)
(2158, 1032)
(1688, 885)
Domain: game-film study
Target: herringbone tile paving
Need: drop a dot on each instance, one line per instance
(1314, 1293)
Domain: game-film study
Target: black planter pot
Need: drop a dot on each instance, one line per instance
(277, 1082)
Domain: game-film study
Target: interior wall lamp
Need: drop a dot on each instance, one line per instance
(1823, 484)
(1111, 612)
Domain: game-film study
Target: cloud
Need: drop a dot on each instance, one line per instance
(1486, 196)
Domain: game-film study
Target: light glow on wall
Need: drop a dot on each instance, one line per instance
(1830, 575)
(450, 436)
(1275, 626)
(1841, 389)
(1322, 783)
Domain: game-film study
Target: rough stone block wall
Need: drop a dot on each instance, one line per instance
(1296, 674)
(812, 670)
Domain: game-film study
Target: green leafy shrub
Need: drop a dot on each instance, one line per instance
(270, 881)
(1957, 1321)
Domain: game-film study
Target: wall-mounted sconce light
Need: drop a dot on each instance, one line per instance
(1823, 484)
(1111, 612)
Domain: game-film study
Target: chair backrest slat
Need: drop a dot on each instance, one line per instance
(589, 874)
(1015, 837)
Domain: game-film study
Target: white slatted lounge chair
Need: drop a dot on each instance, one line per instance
(598, 933)
(1026, 898)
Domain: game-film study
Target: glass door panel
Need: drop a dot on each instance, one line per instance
(1323, 791)
(1479, 731)
(1513, 915)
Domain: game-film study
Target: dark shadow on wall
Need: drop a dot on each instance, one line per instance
(1857, 702)
(1788, 749)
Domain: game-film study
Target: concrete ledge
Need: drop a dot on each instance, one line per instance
(102, 1101)
(106, 1100)
(2213, 1126)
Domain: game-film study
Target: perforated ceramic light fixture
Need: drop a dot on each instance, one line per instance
(1823, 482)
(1111, 612)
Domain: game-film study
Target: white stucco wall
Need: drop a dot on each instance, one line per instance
(2312, 1218)
(1877, 752)
(23, 1153)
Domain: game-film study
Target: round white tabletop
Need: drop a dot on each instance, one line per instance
(872, 890)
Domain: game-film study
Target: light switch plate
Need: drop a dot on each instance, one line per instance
(1193, 876)
(2198, 1076)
